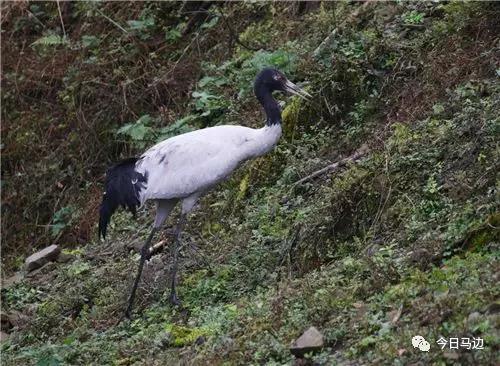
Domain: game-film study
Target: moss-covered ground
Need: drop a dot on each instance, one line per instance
(403, 242)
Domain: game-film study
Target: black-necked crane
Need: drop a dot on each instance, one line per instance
(184, 167)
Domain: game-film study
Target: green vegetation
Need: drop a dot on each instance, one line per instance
(403, 242)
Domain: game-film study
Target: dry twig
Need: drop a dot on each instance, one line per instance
(61, 18)
(358, 154)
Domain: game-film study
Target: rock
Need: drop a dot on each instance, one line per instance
(474, 317)
(42, 257)
(3, 336)
(311, 340)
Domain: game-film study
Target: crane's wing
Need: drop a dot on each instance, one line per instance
(192, 162)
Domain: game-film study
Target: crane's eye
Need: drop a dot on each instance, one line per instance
(277, 77)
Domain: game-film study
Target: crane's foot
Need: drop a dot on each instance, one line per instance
(174, 300)
(125, 316)
(146, 253)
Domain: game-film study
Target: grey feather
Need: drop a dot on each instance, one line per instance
(196, 161)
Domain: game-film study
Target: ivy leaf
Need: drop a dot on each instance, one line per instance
(136, 131)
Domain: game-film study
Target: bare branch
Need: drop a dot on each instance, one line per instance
(358, 154)
(61, 18)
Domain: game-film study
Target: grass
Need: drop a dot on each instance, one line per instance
(404, 242)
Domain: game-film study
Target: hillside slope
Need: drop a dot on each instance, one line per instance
(403, 241)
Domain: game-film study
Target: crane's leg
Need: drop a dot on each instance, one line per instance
(175, 256)
(187, 205)
(145, 255)
(164, 207)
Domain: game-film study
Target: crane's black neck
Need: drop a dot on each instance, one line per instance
(270, 105)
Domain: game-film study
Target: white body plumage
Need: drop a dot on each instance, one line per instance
(194, 162)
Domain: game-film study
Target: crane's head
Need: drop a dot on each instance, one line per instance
(275, 80)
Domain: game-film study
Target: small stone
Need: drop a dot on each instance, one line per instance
(3, 336)
(311, 340)
(474, 317)
(42, 257)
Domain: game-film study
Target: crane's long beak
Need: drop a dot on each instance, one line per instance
(295, 90)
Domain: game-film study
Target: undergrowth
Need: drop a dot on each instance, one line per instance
(403, 242)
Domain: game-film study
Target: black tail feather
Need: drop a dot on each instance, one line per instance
(123, 184)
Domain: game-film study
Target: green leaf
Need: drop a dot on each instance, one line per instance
(438, 108)
(90, 41)
(136, 131)
(61, 220)
(50, 40)
(205, 81)
(145, 119)
(139, 130)
(141, 24)
(210, 24)
(173, 35)
(367, 341)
